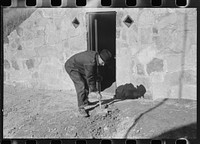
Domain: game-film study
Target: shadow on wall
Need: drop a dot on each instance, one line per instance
(129, 91)
(188, 132)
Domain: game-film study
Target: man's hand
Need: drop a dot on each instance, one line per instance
(95, 94)
(99, 78)
(92, 94)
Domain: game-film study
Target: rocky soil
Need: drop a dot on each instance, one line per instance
(30, 113)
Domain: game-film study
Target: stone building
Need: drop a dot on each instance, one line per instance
(156, 48)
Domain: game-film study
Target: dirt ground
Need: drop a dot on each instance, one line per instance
(30, 113)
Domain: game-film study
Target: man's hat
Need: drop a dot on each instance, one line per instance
(105, 55)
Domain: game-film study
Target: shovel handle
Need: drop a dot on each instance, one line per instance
(99, 97)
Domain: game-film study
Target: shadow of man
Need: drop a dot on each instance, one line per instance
(123, 92)
(129, 91)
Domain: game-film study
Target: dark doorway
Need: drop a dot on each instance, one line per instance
(101, 28)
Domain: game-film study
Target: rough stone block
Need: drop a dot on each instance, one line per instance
(17, 40)
(40, 41)
(155, 30)
(19, 47)
(28, 24)
(145, 35)
(6, 40)
(20, 76)
(148, 95)
(53, 81)
(166, 41)
(119, 19)
(12, 35)
(30, 63)
(76, 32)
(26, 54)
(156, 65)
(6, 49)
(27, 44)
(172, 79)
(191, 58)
(177, 41)
(52, 35)
(167, 20)
(159, 11)
(27, 35)
(160, 90)
(7, 76)
(13, 46)
(146, 18)
(133, 38)
(132, 12)
(180, 41)
(157, 77)
(123, 67)
(134, 50)
(140, 69)
(15, 65)
(34, 84)
(57, 22)
(19, 31)
(189, 77)
(78, 43)
(35, 75)
(174, 62)
(146, 55)
(53, 38)
(158, 42)
(124, 35)
(118, 31)
(124, 45)
(47, 13)
(51, 68)
(39, 33)
(46, 51)
(64, 28)
(176, 78)
(38, 13)
(42, 22)
(6, 64)
(66, 44)
(186, 92)
(193, 37)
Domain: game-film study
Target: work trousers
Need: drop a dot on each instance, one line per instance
(81, 87)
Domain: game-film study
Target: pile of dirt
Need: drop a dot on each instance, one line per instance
(98, 125)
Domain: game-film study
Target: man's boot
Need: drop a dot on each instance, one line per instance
(83, 112)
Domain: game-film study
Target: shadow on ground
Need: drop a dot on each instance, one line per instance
(187, 131)
(123, 92)
(141, 115)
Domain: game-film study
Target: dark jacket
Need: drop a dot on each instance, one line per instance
(86, 64)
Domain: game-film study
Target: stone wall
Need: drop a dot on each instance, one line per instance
(39, 47)
(158, 50)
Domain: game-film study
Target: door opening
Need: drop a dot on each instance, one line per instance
(101, 34)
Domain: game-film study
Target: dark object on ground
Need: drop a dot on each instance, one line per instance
(129, 91)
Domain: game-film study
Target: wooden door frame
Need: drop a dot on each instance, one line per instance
(88, 23)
